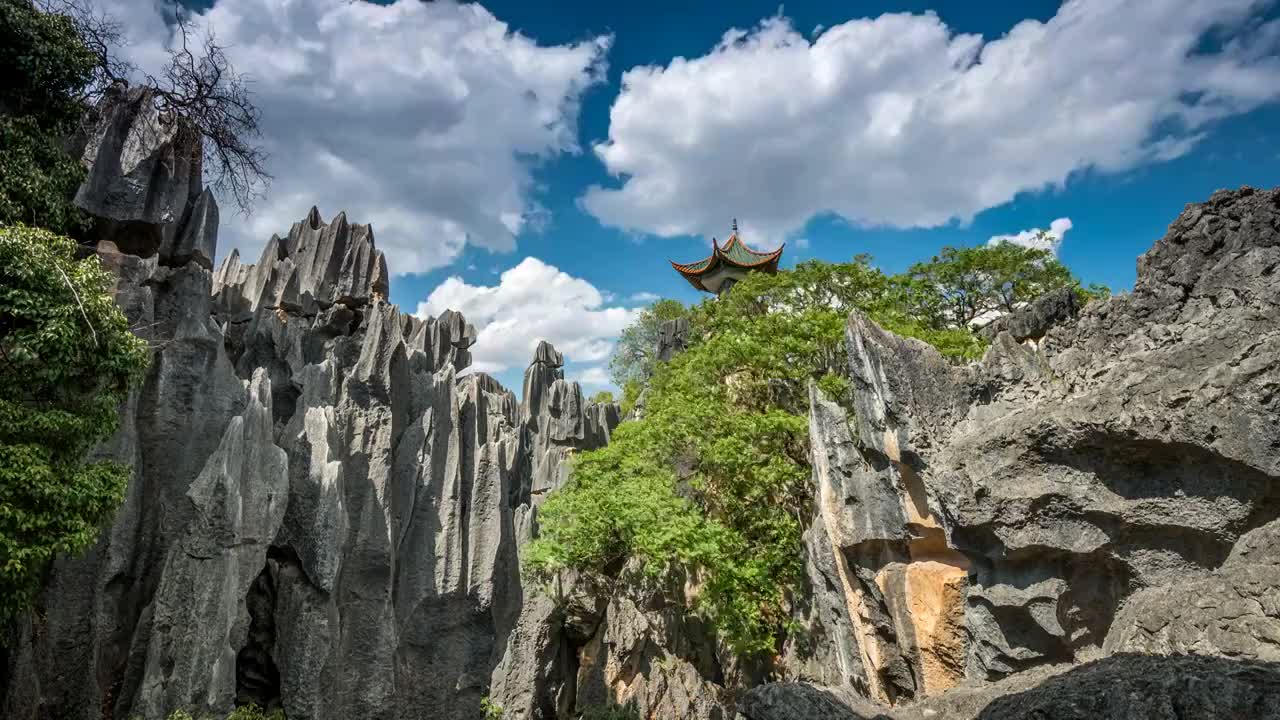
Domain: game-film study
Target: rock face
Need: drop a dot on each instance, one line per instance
(673, 335)
(1095, 485)
(326, 514)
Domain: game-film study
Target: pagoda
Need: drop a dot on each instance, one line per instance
(727, 264)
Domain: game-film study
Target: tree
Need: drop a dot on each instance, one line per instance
(712, 484)
(729, 412)
(67, 359)
(45, 65)
(602, 397)
(636, 353)
(205, 89)
(961, 284)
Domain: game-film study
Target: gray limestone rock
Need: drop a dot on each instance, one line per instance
(1034, 321)
(800, 701)
(144, 170)
(316, 266)
(673, 336)
(1089, 493)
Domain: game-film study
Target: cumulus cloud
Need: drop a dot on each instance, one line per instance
(532, 301)
(420, 118)
(645, 297)
(900, 121)
(1051, 240)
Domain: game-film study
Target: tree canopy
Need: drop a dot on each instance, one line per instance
(961, 285)
(712, 484)
(67, 359)
(45, 64)
(636, 353)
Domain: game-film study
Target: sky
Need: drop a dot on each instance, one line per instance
(535, 165)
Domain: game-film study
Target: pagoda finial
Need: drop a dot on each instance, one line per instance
(735, 226)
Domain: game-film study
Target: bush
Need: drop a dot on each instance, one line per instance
(712, 484)
(67, 359)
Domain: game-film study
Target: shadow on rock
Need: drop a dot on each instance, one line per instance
(1134, 687)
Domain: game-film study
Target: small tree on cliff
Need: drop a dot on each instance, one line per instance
(636, 354)
(45, 66)
(67, 359)
(960, 285)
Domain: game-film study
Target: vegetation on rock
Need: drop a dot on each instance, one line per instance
(46, 65)
(636, 355)
(67, 359)
(712, 483)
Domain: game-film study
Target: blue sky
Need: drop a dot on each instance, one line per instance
(1108, 114)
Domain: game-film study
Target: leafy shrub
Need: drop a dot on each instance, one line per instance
(67, 360)
(712, 484)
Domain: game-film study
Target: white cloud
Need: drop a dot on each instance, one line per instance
(645, 297)
(801, 243)
(532, 301)
(1051, 240)
(420, 118)
(900, 121)
(593, 377)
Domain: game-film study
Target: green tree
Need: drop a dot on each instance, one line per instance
(45, 65)
(604, 396)
(636, 353)
(67, 359)
(961, 284)
(731, 411)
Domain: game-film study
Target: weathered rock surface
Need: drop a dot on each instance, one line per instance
(1098, 484)
(327, 512)
(325, 515)
(1034, 320)
(673, 336)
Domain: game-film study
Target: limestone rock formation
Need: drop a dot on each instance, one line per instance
(673, 335)
(1111, 485)
(327, 510)
(1034, 320)
(326, 513)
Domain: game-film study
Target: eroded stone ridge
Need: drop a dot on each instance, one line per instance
(1095, 485)
(315, 267)
(325, 514)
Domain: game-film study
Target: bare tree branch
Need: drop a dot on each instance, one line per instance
(198, 87)
(204, 88)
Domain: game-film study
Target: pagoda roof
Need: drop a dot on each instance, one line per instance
(733, 253)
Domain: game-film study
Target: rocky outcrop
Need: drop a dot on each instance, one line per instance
(1096, 485)
(144, 187)
(1034, 320)
(326, 510)
(673, 336)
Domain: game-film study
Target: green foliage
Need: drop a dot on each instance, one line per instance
(46, 66)
(709, 490)
(960, 284)
(1095, 291)
(489, 710)
(602, 397)
(732, 410)
(634, 359)
(630, 395)
(67, 360)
